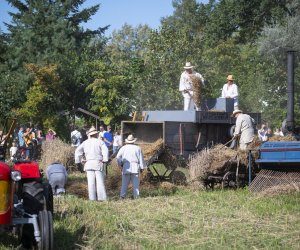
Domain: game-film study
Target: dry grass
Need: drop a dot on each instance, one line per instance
(282, 138)
(196, 86)
(185, 220)
(57, 151)
(211, 161)
(280, 190)
(150, 149)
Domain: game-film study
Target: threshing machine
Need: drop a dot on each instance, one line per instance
(185, 132)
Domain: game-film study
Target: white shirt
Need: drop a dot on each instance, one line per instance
(101, 134)
(13, 151)
(186, 82)
(117, 141)
(244, 126)
(79, 137)
(105, 151)
(131, 158)
(262, 134)
(230, 90)
(92, 150)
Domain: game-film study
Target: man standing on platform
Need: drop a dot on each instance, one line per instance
(186, 86)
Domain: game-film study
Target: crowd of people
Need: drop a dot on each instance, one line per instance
(265, 132)
(27, 141)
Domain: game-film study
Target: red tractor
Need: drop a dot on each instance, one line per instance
(26, 202)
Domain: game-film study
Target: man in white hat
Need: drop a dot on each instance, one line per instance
(244, 127)
(131, 159)
(230, 90)
(186, 87)
(92, 149)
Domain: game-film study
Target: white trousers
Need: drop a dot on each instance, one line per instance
(188, 103)
(135, 180)
(96, 186)
(57, 182)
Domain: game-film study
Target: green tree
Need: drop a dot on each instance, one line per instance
(49, 32)
(111, 93)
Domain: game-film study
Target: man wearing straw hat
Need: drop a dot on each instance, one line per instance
(92, 149)
(186, 86)
(243, 128)
(230, 90)
(131, 159)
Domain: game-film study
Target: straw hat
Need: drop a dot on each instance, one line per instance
(236, 111)
(130, 139)
(188, 65)
(230, 78)
(92, 131)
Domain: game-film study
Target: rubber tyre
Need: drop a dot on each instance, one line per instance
(46, 230)
(48, 193)
(50, 217)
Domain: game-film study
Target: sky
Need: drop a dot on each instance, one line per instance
(115, 13)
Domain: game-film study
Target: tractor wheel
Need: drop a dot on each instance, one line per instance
(48, 193)
(33, 202)
(46, 230)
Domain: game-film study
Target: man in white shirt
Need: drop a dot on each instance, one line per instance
(230, 90)
(76, 137)
(92, 149)
(102, 132)
(131, 160)
(244, 127)
(186, 87)
(117, 142)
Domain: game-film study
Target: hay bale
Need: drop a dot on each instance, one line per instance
(211, 161)
(150, 149)
(57, 150)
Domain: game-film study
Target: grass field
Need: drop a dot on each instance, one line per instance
(170, 217)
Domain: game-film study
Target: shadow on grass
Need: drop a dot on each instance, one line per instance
(8, 241)
(66, 240)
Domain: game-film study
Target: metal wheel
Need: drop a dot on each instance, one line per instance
(229, 180)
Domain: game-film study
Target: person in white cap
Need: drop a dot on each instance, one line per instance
(186, 87)
(230, 90)
(244, 127)
(92, 149)
(131, 159)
